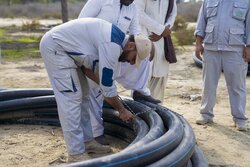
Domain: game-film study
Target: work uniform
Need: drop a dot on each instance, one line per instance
(130, 77)
(152, 15)
(224, 25)
(64, 49)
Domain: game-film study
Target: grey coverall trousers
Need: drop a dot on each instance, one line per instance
(235, 69)
(71, 92)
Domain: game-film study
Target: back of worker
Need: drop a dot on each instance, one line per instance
(64, 47)
(76, 31)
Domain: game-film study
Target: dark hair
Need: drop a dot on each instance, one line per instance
(131, 38)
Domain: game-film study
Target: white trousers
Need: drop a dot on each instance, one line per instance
(159, 70)
(235, 70)
(71, 92)
(130, 78)
(157, 87)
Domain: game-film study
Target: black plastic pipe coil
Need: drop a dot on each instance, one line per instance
(157, 137)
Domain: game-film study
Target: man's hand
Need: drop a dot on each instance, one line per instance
(154, 37)
(125, 115)
(90, 74)
(166, 32)
(247, 53)
(199, 49)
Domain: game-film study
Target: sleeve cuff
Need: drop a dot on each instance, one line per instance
(109, 93)
(248, 42)
(159, 30)
(199, 33)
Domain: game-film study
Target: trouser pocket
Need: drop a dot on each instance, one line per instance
(64, 82)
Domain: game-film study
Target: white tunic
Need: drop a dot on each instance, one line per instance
(152, 15)
(124, 17)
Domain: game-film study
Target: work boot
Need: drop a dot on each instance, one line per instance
(240, 126)
(137, 96)
(78, 157)
(203, 121)
(94, 147)
(102, 140)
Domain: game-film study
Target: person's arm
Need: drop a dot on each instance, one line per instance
(247, 28)
(201, 22)
(90, 74)
(134, 27)
(146, 21)
(200, 32)
(170, 22)
(124, 114)
(247, 53)
(108, 59)
(91, 9)
(199, 49)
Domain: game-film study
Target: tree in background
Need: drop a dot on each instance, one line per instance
(64, 10)
(9, 2)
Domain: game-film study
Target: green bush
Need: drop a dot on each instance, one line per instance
(181, 35)
(31, 25)
(179, 24)
(184, 37)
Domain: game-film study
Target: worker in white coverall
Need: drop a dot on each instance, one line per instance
(123, 14)
(152, 14)
(81, 43)
(224, 28)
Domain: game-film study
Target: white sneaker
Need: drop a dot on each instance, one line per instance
(77, 158)
(94, 147)
(203, 121)
(241, 126)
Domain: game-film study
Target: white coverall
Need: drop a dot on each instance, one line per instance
(64, 49)
(152, 15)
(124, 17)
(225, 27)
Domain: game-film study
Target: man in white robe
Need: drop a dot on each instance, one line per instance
(152, 16)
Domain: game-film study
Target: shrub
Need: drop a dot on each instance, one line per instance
(179, 24)
(30, 25)
(184, 37)
(181, 34)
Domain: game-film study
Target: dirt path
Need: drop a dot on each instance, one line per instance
(221, 143)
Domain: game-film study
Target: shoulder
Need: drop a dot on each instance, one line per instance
(132, 6)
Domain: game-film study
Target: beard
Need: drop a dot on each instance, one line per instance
(126, 2)
(123, 56)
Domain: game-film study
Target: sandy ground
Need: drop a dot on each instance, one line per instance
(222, 145)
